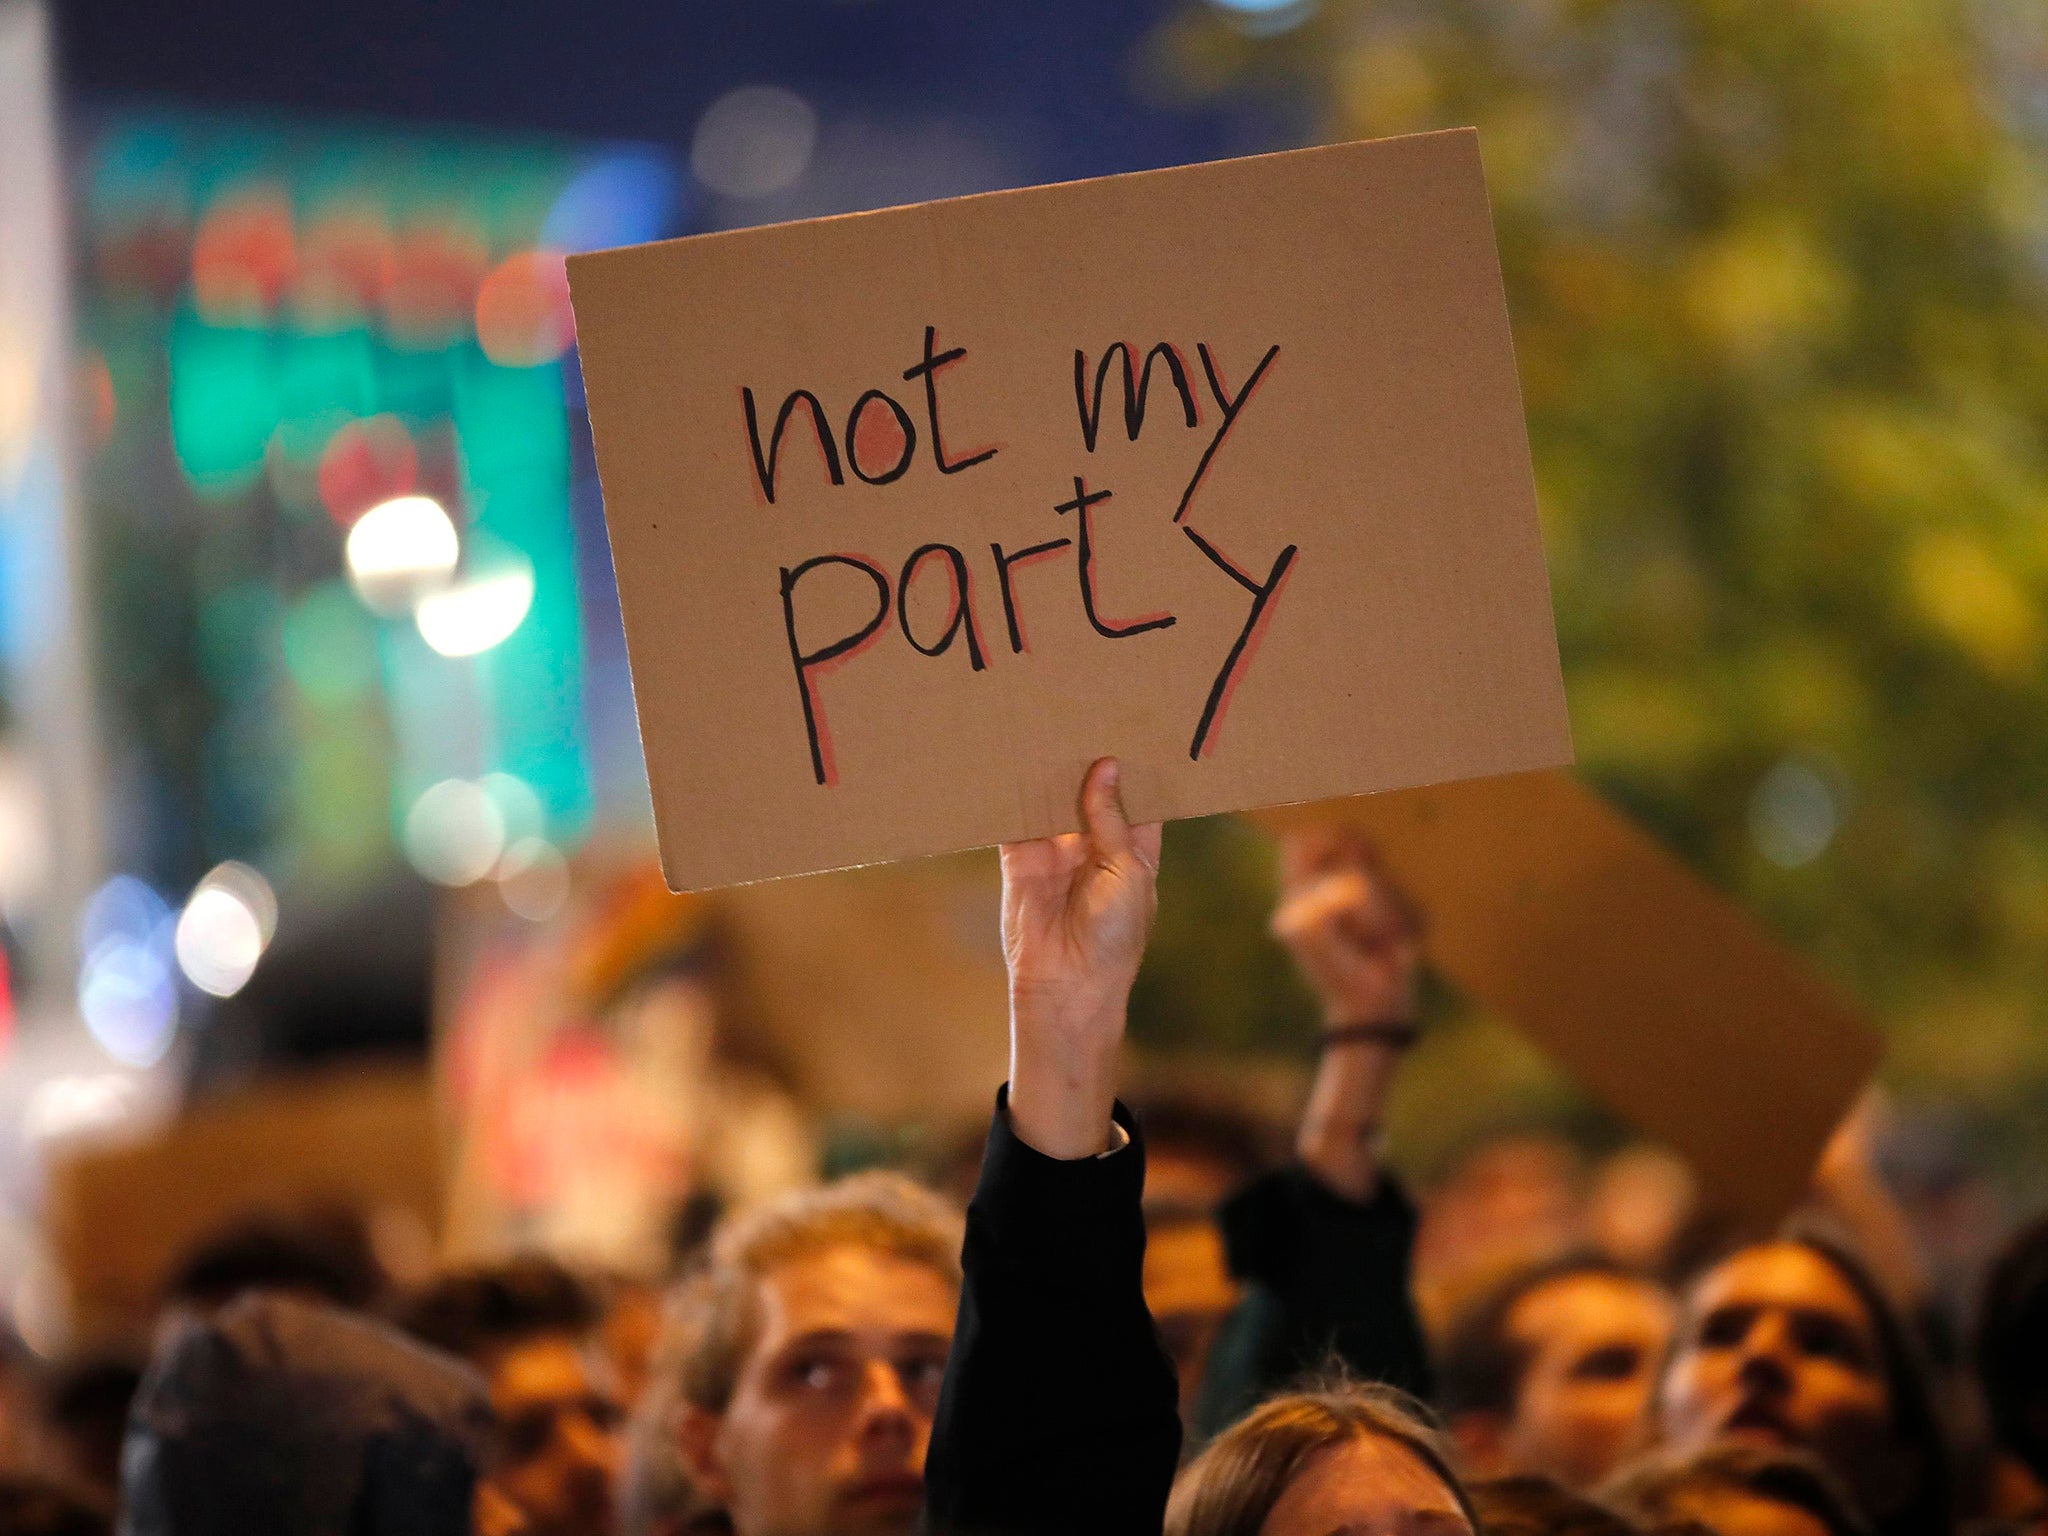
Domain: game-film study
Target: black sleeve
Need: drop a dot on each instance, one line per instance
(1059, 1414)
(1328, 1281)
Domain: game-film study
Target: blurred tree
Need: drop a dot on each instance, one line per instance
(1777, 270)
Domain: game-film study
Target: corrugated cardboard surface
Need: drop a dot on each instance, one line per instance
(1661, 996)
(1409, 641)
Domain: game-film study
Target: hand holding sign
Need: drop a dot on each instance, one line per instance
(1077, 910)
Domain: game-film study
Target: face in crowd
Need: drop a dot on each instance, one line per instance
(1592, 1343)
(831, 1409)
(1574, 1356)
(1779, 1349)
(558, 1433)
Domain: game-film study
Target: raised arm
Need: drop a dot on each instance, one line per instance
(1326, 1244)
(1059, 1415)
(1358, 944)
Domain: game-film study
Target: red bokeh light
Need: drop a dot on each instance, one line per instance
(243, 255)
(435, 269)
(522, 310)
(364, 463)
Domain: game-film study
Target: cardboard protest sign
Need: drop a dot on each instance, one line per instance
(1660, 995)
(916, 513)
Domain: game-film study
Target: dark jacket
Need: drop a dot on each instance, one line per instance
(281, 1415)
(1058, 1416)
(1328, 1285)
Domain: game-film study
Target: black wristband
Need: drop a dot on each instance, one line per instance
(1394, 1034)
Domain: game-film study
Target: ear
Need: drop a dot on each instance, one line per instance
(1481, 1436)
(697, 1438)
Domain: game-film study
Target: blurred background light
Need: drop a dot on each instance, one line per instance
(227, 923)
(522, 310)
(1793, 815)
(76, 1104)
(478, 612)
(128, 1000)
(399, 550)
(754, 141)
(627, 198)
(455, 833)
(533, 879)
(243, 255)
(364, 463)
(1265, 18)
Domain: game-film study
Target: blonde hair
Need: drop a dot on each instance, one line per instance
(714, 1315)
(1231, 1488)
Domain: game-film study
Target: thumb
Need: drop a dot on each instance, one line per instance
(1102, 811)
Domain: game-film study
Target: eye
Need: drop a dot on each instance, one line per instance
(922, 1373)
(1724, 1328)
(816, 1373)
(1615, 1362)
(1829, 1338)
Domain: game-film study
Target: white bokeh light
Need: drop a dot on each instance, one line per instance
(754, 141)
(478, 612)
(533, 878)
(399, 551)
(455, 833)
(226, 924)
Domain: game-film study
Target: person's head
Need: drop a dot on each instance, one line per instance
(321, 1255)
(39, 1506)
(1357, 1459)
(1537, 1506)
(1738, 1490)
(1551, 1372)
(276, 1414)
(808, 1353)
(531, 1327)
(2012, 1346)
(1791, 1345)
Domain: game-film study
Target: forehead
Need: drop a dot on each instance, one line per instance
(851, 1288)
(545, 1366)
(1591, 1306)
(1367, 1484)
(1779, 1275)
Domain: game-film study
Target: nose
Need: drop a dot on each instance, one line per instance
(1766, 1360)
(886, 1414)
(593, 1444)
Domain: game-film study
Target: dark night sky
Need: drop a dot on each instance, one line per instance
(1048, 81)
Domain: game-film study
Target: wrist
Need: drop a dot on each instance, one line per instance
(1393, 1033)
(1063, 1071)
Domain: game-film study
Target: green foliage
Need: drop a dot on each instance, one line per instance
(1776, 269)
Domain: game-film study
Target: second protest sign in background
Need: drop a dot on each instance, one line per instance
(916, 513)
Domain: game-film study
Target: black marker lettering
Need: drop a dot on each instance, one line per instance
(1083, 500)
(807, 661)
(1232, 406)
(764, 465)
(1136, 385)
(903, 426)
(928, 370)
(1003, 563)
(963, 604)
(1234, 664)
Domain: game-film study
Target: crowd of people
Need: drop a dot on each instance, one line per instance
(865, 1357)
